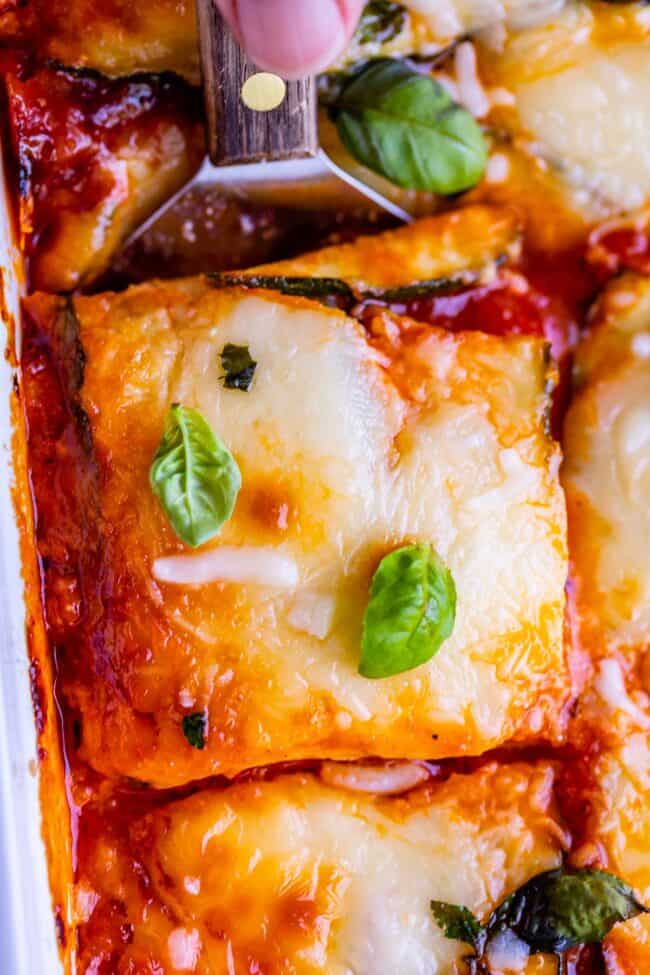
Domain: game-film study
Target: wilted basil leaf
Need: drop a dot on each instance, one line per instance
(560, 909)
(456, 922)
(405, 126)
(555, 910)
(411, 611)
(381, 21)
(239, 367)
(194, 475)
(194, 729)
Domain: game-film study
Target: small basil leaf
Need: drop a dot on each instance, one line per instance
(405, 126)
(457, 922)
(411, 611)
(194, 726)
(239, 367)
(194, 475)
(560, 909)
(381, 21)
(329, 291)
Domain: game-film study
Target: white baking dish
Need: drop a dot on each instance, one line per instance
(27, 938)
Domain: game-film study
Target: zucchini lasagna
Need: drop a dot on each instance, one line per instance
(336, 532)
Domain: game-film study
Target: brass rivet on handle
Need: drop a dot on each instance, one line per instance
(263, 92)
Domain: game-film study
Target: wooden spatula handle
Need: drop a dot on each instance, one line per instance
(236, 133)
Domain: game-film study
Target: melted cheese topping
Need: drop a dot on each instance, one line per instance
(468, 239)
(582, 88)
(607, 473)
(348, 449)
(453, 18)
(295, 876)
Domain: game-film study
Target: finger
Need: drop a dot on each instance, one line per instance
(292, 37)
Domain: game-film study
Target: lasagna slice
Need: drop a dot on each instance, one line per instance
(291, 875)
(352, 442)
(95, 158)
(606, 475)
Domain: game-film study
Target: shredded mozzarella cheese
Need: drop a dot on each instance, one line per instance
(184, 946)
(507, 953)
(610, 684)
(641, 345)
(258, 566)
(312, 612)
(389, 779)
(471, 92)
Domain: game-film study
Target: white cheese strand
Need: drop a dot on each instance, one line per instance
(385, 780)
(610, 685)
(184, 947)
(471, 92)
(258, 566)
(507, 953)
(641, 345)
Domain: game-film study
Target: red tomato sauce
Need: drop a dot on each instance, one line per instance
(543, 296)
(626, 248)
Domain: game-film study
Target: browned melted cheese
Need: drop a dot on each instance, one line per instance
(606, 473)
(290, 875)
(350, 445)
(95, 157)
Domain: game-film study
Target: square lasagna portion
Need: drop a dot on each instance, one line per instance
(352, 441)
(294, 876)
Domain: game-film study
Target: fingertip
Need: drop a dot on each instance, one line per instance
(351, 12)
(292, 37)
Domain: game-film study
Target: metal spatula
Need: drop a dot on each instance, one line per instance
(270, 155)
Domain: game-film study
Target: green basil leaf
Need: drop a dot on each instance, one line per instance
(405, 126)
(411, 611)
(239, 367)
(381, 21)
(457, 922)
(560, 909)
(194, 726)
(194, 475)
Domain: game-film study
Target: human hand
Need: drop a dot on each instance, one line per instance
(292, 37)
